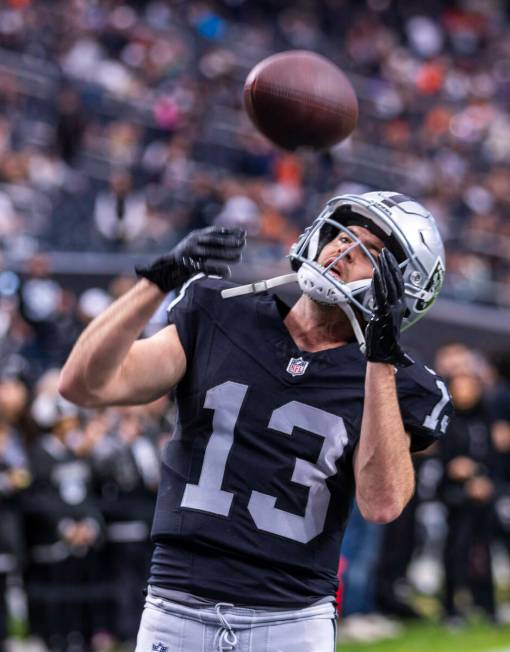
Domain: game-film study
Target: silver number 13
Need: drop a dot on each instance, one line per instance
(226, 401)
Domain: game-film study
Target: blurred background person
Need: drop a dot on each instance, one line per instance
(126, 458)
(499, 402)
(64, 530)
(469, 490)
(120, 214)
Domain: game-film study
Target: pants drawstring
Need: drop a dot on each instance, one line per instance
(225, 638)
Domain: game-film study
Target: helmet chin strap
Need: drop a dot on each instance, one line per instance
(358, 332)
(260, 286)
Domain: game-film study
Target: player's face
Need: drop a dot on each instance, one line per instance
(354, 265)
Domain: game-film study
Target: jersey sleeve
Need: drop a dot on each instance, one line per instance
(183, 311)
(425, 405)
(197, 307)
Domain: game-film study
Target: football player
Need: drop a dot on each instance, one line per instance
(285, 415)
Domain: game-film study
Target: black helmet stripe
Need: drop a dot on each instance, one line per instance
(395, 200)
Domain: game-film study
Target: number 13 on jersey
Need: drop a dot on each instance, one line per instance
(207, 495)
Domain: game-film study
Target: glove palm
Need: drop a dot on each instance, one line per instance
(382, 334)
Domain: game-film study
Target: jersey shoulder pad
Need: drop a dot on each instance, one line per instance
(425, 404)
(198, 300)
(198, 291)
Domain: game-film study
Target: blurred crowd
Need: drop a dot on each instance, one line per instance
(77, 494)
(77, 487)
(452, 542)
(122, 127)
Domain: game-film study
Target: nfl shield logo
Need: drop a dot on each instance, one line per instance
(297, 366)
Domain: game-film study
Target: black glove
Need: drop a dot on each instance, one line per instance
(193, 256)
(382, 333)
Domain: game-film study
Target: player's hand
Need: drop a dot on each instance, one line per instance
(383, 330)
(206, 251)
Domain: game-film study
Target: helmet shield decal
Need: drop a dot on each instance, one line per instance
(434, 284)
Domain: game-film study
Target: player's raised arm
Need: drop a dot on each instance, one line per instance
(382, 465)
(108, 365)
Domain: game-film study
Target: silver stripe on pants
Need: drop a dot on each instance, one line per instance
(168, 626)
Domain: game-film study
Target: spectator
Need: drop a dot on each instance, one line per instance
(64, 528)
(500, 409)
(48, 310)
(127, 462)
(120, 214)
(468, 490)
(70, 125)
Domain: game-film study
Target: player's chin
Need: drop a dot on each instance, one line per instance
(328, 307)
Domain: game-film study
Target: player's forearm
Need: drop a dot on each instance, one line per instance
(384, 469)
(102, 347)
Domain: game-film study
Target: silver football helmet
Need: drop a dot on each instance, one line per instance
(406, 227)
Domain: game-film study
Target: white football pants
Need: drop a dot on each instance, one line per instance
(168, 626)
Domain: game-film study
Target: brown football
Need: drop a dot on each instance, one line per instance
(299, 98)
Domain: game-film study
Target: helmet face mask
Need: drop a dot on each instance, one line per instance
(404, 226)
(318, 281)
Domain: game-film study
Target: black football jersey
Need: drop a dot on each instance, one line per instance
(257, 480)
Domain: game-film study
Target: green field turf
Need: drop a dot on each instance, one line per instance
(433, 638)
